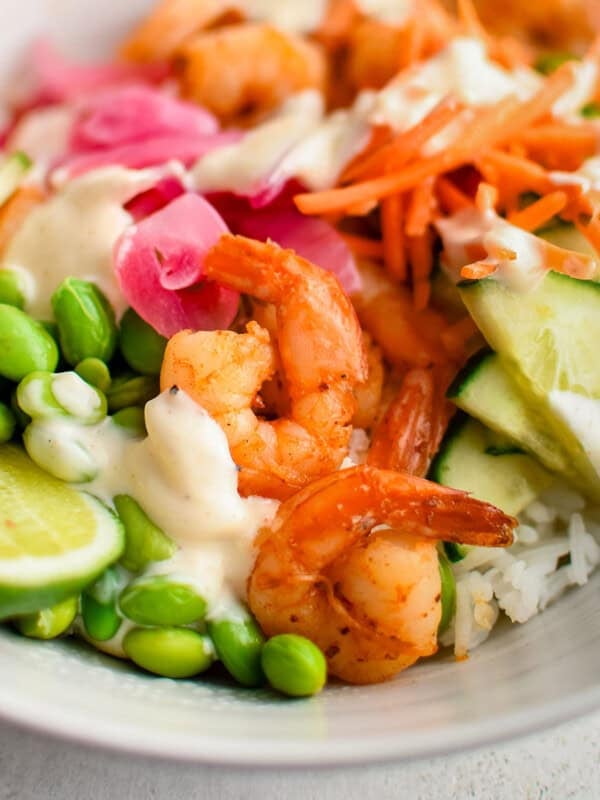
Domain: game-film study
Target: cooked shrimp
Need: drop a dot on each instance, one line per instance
(322, 360)
(368, 394)
(411, 430)
(310, 577)
(170, 24)
(241, 70)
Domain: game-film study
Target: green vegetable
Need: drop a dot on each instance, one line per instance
(456, 552)
(50, 622)
(21, 417)
(94, 372)
(132, 419)
(11, 289)
(591, 111)
(8, 423)
(131, 390)
(47, 395)
(294, 665)
(86, 321)
(161, 600)
(24, 345)
(99, 606)
(448, 592)
(145, 541)
(550, 62)
(170, 652)
(509, 481)
(61, 451)
(12, 171)
(239, 645)
(142, 347)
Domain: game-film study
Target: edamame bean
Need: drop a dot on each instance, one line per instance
(142, 347)
(448, 593)
(24, 345)
(11, 290)
(145, 542)
(8, 423)
(131, 419)
(131, 390)
(46, 395)
(170, 652)
(161, 600)
(294, 665)
(239, 645)
(99, 605)
(86, 321)
(51, 622)
(94, 372)
(22, 418)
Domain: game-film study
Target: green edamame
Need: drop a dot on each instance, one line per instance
(131, 390)
(145, 542)
(170, 652)
(50, 622)
(239, 645)
(142, 347)
(86, 321)
(8, 423)
(294, 665)
(47, 395)
(448, 593)
(131, 419)
(61, 450)
(21, 417)
(11, 289)
(99, 605)
(25, 345)
(94, 372)
(161, 600)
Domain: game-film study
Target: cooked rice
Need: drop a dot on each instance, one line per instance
(556, 546)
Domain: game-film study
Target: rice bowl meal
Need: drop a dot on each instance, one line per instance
(298, 315)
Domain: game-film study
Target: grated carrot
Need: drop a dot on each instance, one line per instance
(486, 198)
(392, 228)
(421, 208)
(337, 22)
(540, 212)
(450, 196)
(591, 231)
(478, 270)
(363, 246)
(520, 174)
(470, 19)
(420, 252)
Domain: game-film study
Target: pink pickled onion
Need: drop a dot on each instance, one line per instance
(159, 266)
(149, 152)
(130, 113)
(154, 199)
(312, 238)
(55, 79)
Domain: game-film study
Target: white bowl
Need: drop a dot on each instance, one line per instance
(522, 679)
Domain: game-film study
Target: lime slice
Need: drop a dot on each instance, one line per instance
(54, 539)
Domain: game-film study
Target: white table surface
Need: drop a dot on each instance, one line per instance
(563, 763)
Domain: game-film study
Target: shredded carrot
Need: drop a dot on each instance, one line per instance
(337, 22)
(591, 231)
(420, 251)
(521, 174)
(540, 212)
(456, 336)
(381, 136)
(14, 211)
(577, 265)
(486, 198)
(450, 196)
(421, 208)
(394, 253)
(363, 246)
(470, 19)
(478, 270)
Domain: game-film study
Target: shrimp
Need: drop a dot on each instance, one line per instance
(242, 70)
(171, 23)
(368, 394)
(411, 430)
(373, 620)
(322, 359)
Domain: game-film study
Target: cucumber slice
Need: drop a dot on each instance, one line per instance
(12, 172)
(510, 481)
(547, 339)
(486, 391)
(567, 236)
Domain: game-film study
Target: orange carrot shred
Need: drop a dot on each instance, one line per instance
(478, 270)
(363, 246)
(470, 19)
(486, 198)
(540, 212)
(421, 208)
(450, 196)
(394, 253)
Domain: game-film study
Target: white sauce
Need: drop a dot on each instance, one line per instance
(75, 395)
(44, 135)
(582, 415)
(184, 478)
(583, 90)
(293, 16)
(73, 234)
(587, 176)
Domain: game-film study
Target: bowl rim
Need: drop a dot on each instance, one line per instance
(278, 753)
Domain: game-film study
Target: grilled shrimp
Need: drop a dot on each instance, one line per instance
(372, 616)
(321, 355)
(242, 70)
(368, 394)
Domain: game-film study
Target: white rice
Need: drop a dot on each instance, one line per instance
(556, 546)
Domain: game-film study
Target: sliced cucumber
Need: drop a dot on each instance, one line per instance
(547, 339)
(566, 235)
(12, 171)
(510, 481)
(486, 391)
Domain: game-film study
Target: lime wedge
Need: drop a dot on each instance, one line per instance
(54, 539)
